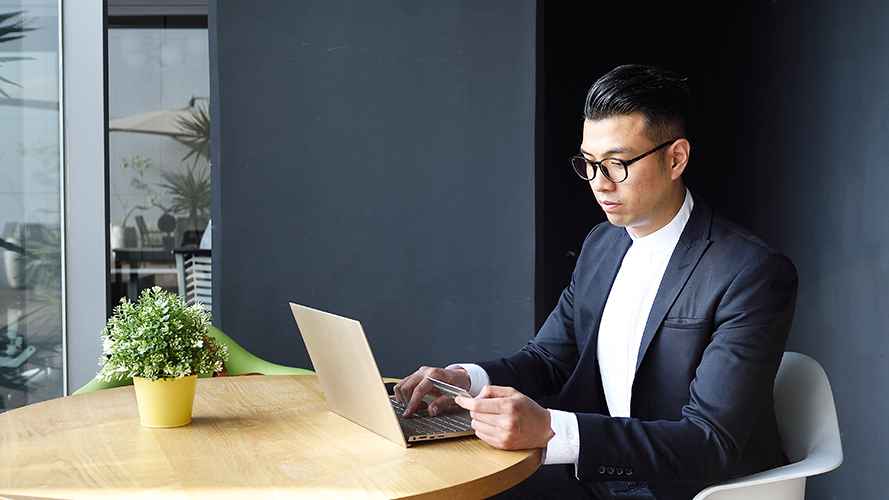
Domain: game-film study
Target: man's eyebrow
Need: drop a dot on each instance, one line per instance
(618, 150)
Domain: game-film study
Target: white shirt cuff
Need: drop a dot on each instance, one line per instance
(564, 447)
(478, 377)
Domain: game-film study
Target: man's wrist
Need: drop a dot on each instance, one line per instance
(478, 377)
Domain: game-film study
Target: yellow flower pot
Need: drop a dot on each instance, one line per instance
(165, 402)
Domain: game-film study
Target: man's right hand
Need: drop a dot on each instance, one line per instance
(412, 389)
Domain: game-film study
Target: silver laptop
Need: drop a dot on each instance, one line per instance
(353, 387)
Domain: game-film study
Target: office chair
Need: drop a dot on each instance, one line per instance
(240, 362)
(147, 238)
(810, 435)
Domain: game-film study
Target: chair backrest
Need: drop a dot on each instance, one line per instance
(199, 280)
(804, 406)
(195, 272)
(146, 238)
(810, 435)
(240, 361)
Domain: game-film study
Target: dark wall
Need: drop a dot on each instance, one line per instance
(824, 123)
(376, 160)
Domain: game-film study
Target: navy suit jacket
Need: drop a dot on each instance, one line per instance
(702, 407)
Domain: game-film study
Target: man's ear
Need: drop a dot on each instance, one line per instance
(677, 157)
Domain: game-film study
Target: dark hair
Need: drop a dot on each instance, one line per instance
(661, 97)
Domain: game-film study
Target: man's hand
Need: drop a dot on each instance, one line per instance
(411, 390)
(507, 419)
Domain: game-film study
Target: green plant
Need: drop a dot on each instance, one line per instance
(159, 336)
(140, 165)
(198, 138)
(189, 192)
(13, 31)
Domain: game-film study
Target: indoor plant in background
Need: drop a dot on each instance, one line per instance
(190, 195)
(123, 235)
(189, 190)
(163, 344)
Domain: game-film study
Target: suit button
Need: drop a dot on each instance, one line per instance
(600, 469)
(628, 471)
(610, 470)
(619, 471)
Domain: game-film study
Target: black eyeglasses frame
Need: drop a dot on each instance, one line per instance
(579, 162)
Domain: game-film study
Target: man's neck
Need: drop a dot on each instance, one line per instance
(677, 198)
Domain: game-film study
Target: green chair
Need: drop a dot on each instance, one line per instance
(239, 362)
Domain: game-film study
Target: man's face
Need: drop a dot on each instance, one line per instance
(652, 193)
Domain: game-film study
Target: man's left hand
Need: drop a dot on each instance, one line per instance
(507, 419)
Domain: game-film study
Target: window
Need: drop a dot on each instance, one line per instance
(31, 346)
(159, 126)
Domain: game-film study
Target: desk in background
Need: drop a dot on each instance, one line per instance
(134, 258)
(257, 437)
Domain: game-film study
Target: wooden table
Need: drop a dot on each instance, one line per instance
(250, 438)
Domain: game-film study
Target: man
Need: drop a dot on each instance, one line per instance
(660, 358)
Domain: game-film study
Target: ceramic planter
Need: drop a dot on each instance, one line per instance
(165, 402)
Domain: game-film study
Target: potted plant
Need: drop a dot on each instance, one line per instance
(189, 194)
(163, 344)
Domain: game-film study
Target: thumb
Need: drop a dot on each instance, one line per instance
(496, 391)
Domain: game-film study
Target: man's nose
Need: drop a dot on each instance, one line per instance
(601, 183)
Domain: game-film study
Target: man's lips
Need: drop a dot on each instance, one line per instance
(609, 206)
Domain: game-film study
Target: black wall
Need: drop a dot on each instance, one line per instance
(378, 161)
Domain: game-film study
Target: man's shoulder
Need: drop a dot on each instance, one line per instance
(707, 224)
(734, 246)
(723, 227)
(725, 231)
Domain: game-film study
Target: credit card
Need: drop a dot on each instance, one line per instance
(451, 391)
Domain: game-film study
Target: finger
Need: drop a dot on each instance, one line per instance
(405, 388)
(439, 405)
(411, 391)
(415, 402)
(465, 403)
(481, 405)
(496, 391)
(489, 434)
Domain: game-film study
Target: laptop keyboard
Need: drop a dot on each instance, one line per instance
(422, 423)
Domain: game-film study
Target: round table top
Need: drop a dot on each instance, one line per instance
(250, 437)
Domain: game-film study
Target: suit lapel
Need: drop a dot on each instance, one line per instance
(609, 255)
(686, 255)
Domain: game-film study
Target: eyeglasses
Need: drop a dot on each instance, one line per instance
(586, 168)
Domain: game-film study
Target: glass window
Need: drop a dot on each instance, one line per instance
(31, 354)
(159, 133)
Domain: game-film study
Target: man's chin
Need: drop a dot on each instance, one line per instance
(616, 220)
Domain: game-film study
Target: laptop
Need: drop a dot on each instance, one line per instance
(354, 389)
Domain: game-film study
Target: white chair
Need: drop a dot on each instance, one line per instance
(810, 436)
(194, 268)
